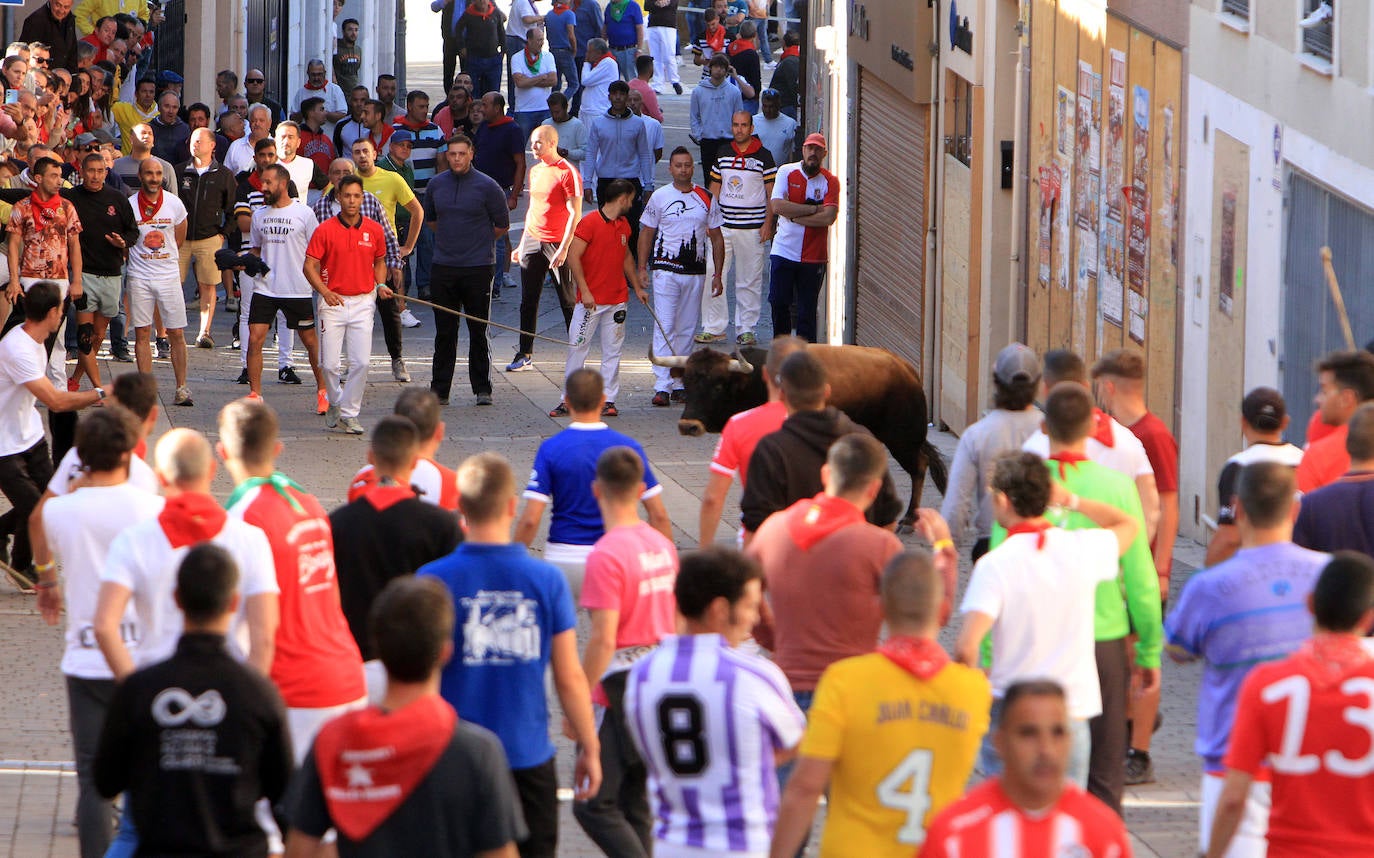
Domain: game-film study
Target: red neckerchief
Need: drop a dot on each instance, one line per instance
(1333, 656)
(715, 41)
(500, 120)
(316, 88)
(148, 207)
(811, 520)
(44, 212)
(472, 10)
(1037, 527)
(750, 148)
(920, 657)
(792, 51)
(532, 66)
(1102, 433)
(413, 126)
(141, 450)
(383, 496)
(560, 8)
(371, 760)
(1066, 459)
(190, 518)
(740, 45)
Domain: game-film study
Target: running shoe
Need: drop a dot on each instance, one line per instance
(321, 402)
(205, 342)
(747, 339)
(522, 363)
(183, 396)
(352, 426)
(609, 410)
(660, 399)
(399, 371)
(243, 377)
(331, 416)
(679, 395)
(164, 349)
(408, 319)
(287, 375)
(560, 410)
(707, 337)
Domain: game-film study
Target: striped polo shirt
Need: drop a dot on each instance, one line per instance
(744, 174)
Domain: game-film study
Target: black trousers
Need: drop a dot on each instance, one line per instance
(24, 477)
(634, 213)
(709, 147)
(61, 424)
(535, 264)
(538, 790)
(390, 311)
(467, 290)
(1107, 763)
(618, 818)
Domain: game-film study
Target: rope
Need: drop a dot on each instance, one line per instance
(410, 300)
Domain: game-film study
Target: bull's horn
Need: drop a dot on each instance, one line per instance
(739, 364)
(673, 362)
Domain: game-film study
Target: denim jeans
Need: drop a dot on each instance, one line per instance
(625, 58)
(566, 66)
(485, 72)
(794, 284)
(528, 120)
(424, 258)
(125, 844)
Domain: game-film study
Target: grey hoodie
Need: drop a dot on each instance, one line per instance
(713, 107)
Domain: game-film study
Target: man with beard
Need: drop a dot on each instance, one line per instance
(805, 201)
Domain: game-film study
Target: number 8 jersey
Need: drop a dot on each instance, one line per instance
(707, 720)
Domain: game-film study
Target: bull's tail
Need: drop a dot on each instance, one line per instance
(935, 466)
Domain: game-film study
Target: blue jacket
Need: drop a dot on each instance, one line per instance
(713, 108)
(467, 210)
(618, 148)
(588, 24)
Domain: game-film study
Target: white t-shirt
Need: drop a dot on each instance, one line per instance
(142, 559)
(282, 235)
(1043, 603)
(1126, 455)
(534, 97)
(239, 156)
(80, 528)
(654, 129)
(334, 99)
(682, 219)
(155, 256)
(520, 9)
(141, 474)
(22, 360)
(302, 170)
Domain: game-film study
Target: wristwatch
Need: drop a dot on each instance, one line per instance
(100, 392)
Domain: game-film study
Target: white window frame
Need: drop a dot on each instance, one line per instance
(1236, 21)
(1316, 62)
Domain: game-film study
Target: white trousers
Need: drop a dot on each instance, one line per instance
(580, 334)
(346, 332)
(286, 338)
(677, 301)
(1249, 840)
(743, 248)
(663, 48)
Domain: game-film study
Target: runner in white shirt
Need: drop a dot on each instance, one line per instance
(711, 722)
(1037, 594)
(136, 391)
(142, 564)
(79, 528)
(1111, 444)
(153, 273)
(280, 232)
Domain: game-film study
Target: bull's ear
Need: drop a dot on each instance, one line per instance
(675, 372)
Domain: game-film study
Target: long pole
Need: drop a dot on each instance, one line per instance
(1334, 285)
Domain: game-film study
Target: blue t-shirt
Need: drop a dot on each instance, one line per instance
(556, 26)
(621, 34)
(496, 146)
(1240, 613)
(563, 472)
(509, 607)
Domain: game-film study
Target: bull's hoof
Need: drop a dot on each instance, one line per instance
(691, 428)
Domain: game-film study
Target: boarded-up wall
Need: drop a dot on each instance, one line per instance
(1105, 133)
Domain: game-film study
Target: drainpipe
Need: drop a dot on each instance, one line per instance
(1021, 184)
(934, 320)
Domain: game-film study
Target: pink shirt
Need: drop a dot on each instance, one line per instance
(632, 570)
(650, 98)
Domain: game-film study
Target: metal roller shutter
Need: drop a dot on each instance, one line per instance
(890, 210)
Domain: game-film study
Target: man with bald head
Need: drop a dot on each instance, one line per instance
(139, 150)
(169, 131)
(260, 124)
(208, 189)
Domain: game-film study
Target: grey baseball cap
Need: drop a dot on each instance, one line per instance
(1016, 362)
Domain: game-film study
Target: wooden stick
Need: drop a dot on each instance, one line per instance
(1334, 285)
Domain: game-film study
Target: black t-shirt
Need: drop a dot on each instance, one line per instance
(466, 804)
(662, 16)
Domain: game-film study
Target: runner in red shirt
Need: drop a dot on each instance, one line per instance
(1346, 381)
(1031, 811)
(739, 437)
(316, 665)
(433, 483)
(1305, 721)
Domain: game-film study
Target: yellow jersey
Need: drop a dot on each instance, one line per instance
(391, 190)
(902, 749)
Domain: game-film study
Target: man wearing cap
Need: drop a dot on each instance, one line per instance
(1013, 419)
(806, 199)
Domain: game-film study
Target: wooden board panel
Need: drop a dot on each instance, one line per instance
(955, 359)
(1226, 303)
(1166, 244)
(1063, 122)
(974, 378)
(1043, 17)
(1118, 39)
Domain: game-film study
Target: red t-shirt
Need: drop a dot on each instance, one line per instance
(1160, 448)
(985, 824)
(348, 254)
(742, 434)
(1308, 718)
(551, 187)
(1317, 428)
(650, 98)
(1324, 461)
(603, 262)
(317, 663)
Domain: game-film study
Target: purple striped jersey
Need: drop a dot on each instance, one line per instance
(707, 720)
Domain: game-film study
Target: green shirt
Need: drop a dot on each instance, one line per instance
(1135, 592)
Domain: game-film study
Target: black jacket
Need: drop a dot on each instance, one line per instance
(59, 36)
(786, 80)
(197, 739)
(478, 36)
(209, 199)
(785, 467)
(102, 212)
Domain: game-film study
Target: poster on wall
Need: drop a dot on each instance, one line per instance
(1049, 195)
(1063, 220)
(1170, 201)
(1227, 279)
(1088, 166)
(1111, 238)
(1064, 121)
(1138, 232)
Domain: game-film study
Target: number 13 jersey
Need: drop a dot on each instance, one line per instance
(707, 720)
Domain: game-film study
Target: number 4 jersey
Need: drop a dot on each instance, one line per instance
(707, 720)
(1310, 717)
(902, 749)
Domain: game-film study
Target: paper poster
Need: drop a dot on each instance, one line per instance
(1063, 220)
(1049, 196)
(1138, 230)
(1111, 238)
(1064, 121)
(1169, 214)
(1227, 277)
(1088, 166)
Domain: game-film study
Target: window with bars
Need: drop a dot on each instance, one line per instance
(1318, 27)
(1239, 8)
(960, 143)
